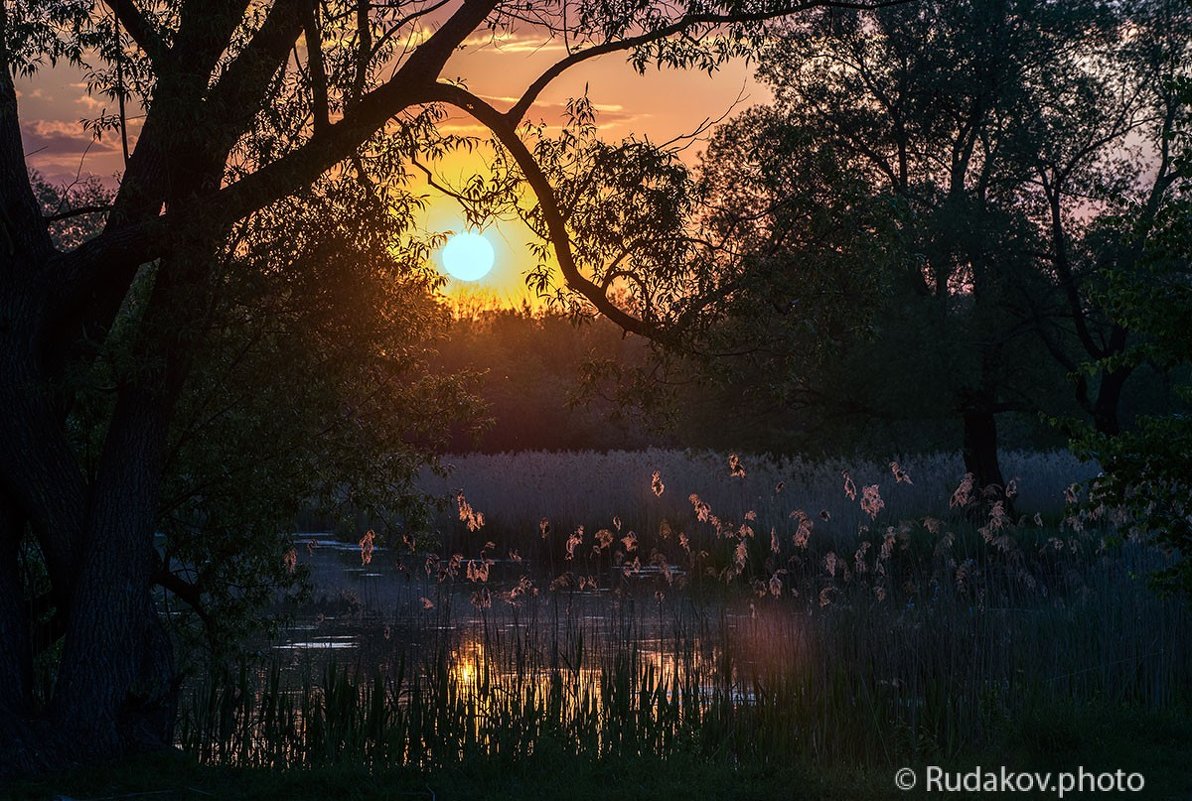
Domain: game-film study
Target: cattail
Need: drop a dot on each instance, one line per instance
(574, 542)
(830, 563)
(887, 544)
(850, 489)
(367, 544)
(963, 493)
(735, 468)
(470, 517)
(859, 558)
(998, 519)
(478, 570)
(871, 501)
(776, 585)
(659, 560)
(803, 532)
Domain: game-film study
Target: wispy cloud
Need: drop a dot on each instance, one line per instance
(60, 149)
(512, 42)
(608, 115)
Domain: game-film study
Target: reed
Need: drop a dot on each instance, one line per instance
(739, 611)
(758, 682)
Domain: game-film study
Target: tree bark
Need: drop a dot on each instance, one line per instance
(16, 649)
(116, 682)
(980, 451)
(1106, 418)
(980, 447)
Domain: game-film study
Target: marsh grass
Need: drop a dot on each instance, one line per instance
(855, 682)
(722, 620)
(515, 490)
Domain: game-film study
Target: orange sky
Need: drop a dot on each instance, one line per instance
(659, 104)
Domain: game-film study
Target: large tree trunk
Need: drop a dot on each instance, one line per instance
(980, 451)
(116, 681)
(115, 689)
(108, 623)
(1106, 418)
(17, 750)
(980, 448)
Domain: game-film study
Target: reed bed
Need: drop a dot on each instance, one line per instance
(589, 488)
(745, 680)
(747, 612)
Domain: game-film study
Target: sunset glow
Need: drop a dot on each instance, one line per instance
(571, 400)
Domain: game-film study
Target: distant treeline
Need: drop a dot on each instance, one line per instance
(549, 383)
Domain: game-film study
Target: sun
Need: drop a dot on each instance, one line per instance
(468, 256)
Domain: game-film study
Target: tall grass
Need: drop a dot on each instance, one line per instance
(738, 623)
(754, 680)
(514, 490)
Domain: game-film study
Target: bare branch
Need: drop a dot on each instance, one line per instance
(78, 212)
(318, 73)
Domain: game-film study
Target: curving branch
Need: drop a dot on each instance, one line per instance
(78, 212)
(681, 25)
(415, 82)
(506, 133)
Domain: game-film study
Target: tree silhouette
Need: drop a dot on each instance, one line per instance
(936, 193)
(247, 106)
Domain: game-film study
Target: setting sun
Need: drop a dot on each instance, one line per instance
(468, 256)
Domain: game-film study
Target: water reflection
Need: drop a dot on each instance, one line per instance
(376, 620)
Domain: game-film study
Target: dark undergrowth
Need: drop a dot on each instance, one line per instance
(1052, 738)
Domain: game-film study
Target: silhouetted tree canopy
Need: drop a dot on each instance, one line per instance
(265, 195)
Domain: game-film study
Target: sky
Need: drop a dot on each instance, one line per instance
(657, 104)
